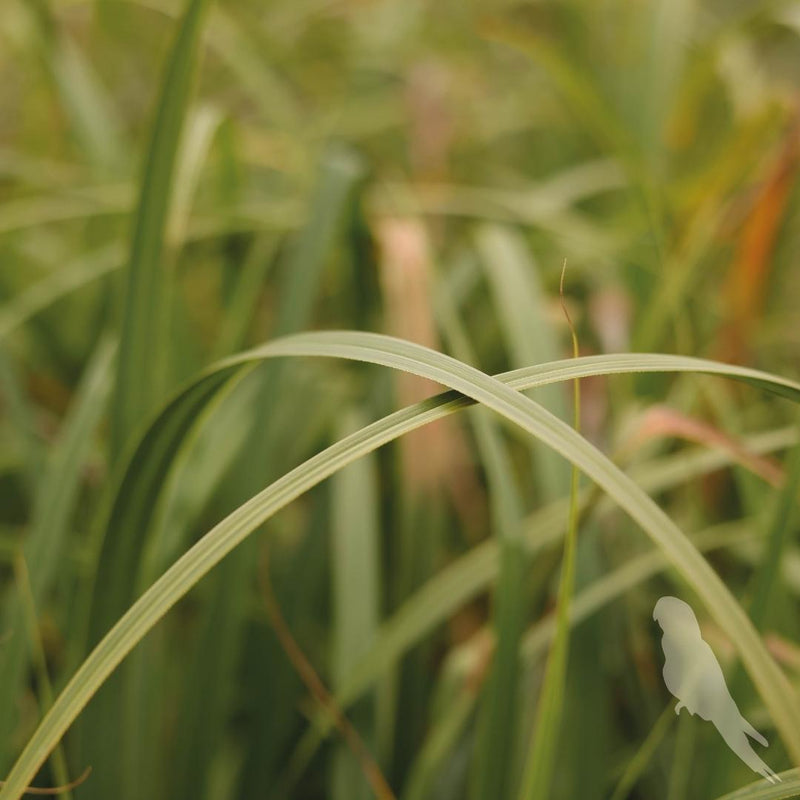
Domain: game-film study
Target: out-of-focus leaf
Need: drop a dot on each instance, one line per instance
(45, 546)
(144, 340)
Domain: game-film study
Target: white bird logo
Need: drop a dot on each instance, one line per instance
(693, 675)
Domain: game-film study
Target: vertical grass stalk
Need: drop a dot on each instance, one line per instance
(540, 764)
(141, 372)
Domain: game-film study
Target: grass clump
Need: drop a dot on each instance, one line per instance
(292, 253)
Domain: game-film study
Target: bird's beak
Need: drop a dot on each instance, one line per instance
(655, 615)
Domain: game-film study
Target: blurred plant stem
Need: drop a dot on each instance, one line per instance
(540, 763)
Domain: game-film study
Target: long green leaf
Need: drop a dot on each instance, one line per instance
(164, 593)
(789, 787)
(356, 584)
(136, 489)
(766, 588)
(144, 339)
(266, 450)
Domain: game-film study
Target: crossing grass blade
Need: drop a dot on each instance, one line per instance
(777, 694)
(236, 46)
(82, 95)
(70, 278)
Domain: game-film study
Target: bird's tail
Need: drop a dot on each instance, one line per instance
(766, 772)
(736, 739)
(752, 732)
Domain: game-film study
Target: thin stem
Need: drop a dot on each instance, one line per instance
(42, 677)
(51, 790)
(538, 772)
(314, 684)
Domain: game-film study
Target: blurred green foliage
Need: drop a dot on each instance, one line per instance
(180, 182)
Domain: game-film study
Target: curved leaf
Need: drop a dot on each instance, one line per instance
(497, 394)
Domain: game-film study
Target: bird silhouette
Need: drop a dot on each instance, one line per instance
(693, 675)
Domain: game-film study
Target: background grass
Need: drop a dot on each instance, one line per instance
(181, 182)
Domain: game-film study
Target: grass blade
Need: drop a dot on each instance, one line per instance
(766, 589)
(778, 695)
(356, 599)
(69, 278)
(340, 170)
(463, 579)
(538, 772)
(133, 506)
(197, 136)
(243, 302)
(789, 787)
(204, 702)
(44, 546)
(83, 97)
(21, 416)
(144, 340)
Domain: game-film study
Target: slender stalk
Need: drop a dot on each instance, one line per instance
(538, 771)
(307, 673)
(49, 791)
(42, 680)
